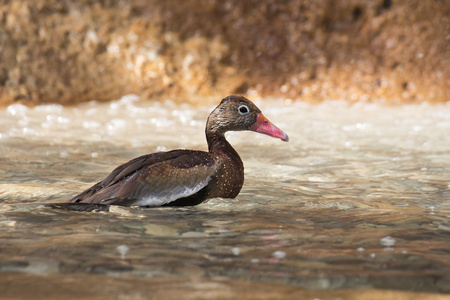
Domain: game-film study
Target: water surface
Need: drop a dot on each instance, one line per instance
(357, 202)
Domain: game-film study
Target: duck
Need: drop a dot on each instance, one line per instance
(186, 177)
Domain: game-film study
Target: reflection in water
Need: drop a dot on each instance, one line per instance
(359, 198)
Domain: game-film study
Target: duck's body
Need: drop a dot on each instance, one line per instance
(186, 177)
(174, 178)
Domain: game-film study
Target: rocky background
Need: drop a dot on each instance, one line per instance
(362, 50)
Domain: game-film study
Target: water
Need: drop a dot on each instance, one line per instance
(356, 203)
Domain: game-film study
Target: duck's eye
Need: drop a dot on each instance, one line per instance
(243, 109)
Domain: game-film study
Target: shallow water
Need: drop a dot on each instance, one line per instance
(359, 198)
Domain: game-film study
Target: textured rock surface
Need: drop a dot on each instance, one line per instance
(74, 51)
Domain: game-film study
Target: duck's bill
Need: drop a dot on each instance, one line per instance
(263, 125)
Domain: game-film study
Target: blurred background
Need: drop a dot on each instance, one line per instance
(67, 52)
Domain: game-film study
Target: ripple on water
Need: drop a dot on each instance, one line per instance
(358, 197)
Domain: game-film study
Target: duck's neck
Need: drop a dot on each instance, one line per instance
(217, 144)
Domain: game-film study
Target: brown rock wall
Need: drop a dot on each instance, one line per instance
(73, 51)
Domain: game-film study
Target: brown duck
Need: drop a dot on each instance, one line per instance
(186, 177)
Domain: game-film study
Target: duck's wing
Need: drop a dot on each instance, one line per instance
(156, 179)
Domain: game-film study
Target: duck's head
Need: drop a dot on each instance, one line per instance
(236, 113)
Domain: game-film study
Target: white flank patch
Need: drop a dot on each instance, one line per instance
(164, 197)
